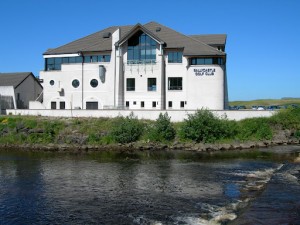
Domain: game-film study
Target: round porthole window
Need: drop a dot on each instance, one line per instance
(51, 82)
(94, 83)
(75, 83)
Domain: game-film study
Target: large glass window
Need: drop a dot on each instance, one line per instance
(175, 57)
(96, 58)
(151, 84)
(130, 84)
(206, 61)
(55, 63)
(175, 83)
(141, 49)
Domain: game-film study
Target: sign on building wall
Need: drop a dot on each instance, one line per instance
(204, 72)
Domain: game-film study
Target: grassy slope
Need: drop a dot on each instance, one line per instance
(266, 102)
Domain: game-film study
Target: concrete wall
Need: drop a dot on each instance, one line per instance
(176, 115)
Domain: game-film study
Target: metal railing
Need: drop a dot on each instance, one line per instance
(147, 65)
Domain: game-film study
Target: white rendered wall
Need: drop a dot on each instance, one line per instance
(77, 97)
(176, 96)
(8, 91)
(205, 89)
(176, 115)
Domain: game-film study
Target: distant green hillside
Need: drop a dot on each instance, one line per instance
(266, 102)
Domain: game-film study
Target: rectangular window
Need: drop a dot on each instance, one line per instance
(94, 58)
(154, 104)
(130, 84)
(62, 105)
(53, 105)
(206, 61)
(142, 104)
(87, 59)
(78, 59)
(91, 105)
(127, 104)
(72, 60)
(151, 84)
(182, 104)
(65, 60)
(175, 83)
(175, 57)
(134, 102)
(170, 104)
(106, 58)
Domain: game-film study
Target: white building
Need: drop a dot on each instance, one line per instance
(146, 66)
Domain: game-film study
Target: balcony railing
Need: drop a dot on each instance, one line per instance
(139, 66)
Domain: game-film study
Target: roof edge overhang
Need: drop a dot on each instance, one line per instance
(135, 29)
(57, 55)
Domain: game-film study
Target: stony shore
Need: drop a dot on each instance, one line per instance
(139, 146)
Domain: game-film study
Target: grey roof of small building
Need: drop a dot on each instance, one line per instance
(211, 39)
(13, 79)
(192, 46)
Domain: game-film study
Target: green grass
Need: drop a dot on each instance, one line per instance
(201, 127)
(266, 102)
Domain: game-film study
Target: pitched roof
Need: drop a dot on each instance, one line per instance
(93, 42)
(211, 39)
(13, 79)
(193, 46)
(174, 39)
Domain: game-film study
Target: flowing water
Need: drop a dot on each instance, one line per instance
(247, 187)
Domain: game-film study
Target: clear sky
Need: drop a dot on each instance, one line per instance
(262, 43)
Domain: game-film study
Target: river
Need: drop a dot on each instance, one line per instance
(260, 186)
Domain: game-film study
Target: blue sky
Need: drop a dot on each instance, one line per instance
(262, 44)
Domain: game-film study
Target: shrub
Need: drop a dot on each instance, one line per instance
(287, 118)
(126, 130)
(255, 128)
(162, 129)
(203, 126)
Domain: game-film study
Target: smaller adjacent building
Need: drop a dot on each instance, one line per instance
(17, 89)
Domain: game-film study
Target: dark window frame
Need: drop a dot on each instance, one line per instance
(175, 57)
(92, 105)
(62, 105)
(175, 84)
(132, 87)
(151, 86)
(53, 105)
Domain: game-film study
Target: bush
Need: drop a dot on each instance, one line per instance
(126, 130)
(255, 128)
(287, 118)
(162, 129)
(203, 126)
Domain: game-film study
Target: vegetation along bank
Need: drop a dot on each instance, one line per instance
(202, 131)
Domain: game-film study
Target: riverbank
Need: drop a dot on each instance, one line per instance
(132, 147)
(201, 132)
